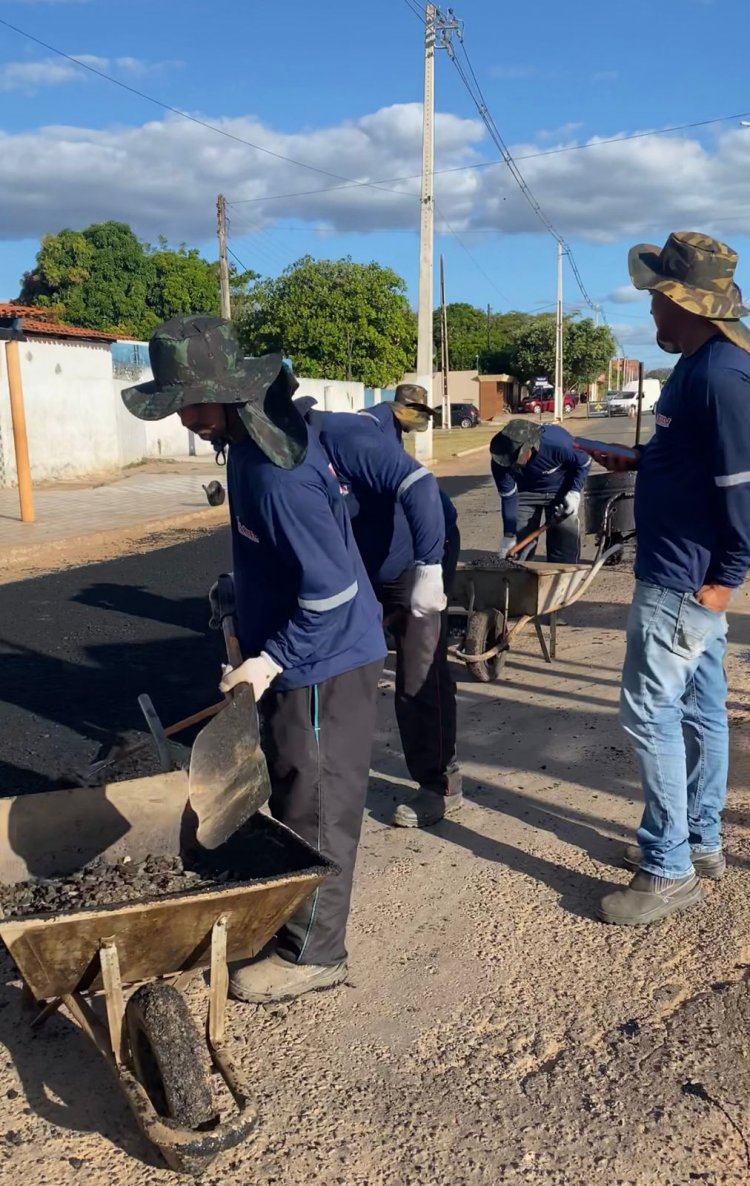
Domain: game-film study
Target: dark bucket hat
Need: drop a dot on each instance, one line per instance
(198, 360)
(697, 273)
(516, 438)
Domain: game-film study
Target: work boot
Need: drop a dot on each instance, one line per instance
(260, 982)
(712, 865)
(427, 808)
(649, 899)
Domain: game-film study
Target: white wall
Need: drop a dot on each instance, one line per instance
(463, 387)
(333, 395)
(76, 422)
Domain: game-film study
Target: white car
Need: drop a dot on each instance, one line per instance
(625, 402)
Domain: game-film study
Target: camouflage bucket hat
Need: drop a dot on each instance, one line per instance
(697, 273)
(198, 360)
(518, 436)
(410, 406)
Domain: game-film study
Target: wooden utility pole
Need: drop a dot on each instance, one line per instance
(20, 439)
(559, 338)
(221, 212)
(445, 359)
(423, 440)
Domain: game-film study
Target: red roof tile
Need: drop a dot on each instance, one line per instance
(40, 322)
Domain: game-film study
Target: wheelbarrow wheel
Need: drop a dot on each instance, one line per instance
(484, 630)
(168, 1055)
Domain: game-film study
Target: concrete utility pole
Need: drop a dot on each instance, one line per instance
(221, 213)
(436, 26)
(559, 338)
(445, 358)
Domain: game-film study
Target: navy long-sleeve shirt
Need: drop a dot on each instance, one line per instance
(692, 492)
(393, 501)
(301, 591)
(383, 416)
(556, 469)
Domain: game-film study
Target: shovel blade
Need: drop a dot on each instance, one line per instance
(228, 779)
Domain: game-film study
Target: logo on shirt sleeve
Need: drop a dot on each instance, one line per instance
(246, 531)
(663, 421)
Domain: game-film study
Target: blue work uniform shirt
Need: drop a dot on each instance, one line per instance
(383, 416)
(393, 501)
(692, 490)
(555, 469)
(301, 591)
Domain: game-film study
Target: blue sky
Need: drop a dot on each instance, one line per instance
(337, 87)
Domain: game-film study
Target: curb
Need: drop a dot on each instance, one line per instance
(49, 556)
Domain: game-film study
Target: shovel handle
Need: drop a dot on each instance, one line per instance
(529, 539)
(231, 642)
(195, 719)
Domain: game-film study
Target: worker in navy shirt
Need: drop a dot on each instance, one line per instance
(692, 512)
(308, 620)
(407, 542)
(538, 472)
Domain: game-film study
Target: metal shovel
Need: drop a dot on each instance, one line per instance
(228, 779)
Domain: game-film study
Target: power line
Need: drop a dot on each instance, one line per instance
(237, 260)
(182, 114)
(411, 5)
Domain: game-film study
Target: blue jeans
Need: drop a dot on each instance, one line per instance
(673, 706)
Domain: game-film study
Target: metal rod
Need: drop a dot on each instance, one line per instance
(639, 410)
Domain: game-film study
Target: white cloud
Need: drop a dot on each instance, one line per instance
(31, 77)
(163, 177)
(626, 295)
(564, 132)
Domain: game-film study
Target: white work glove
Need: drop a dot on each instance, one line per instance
(259, 673)
(506, 543)
(427, 593)
(571, 503)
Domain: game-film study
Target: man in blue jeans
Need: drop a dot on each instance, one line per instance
(692, 508)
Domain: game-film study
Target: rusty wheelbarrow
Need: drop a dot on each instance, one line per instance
(160, 1059)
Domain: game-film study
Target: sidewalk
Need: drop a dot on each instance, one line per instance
(78, 518)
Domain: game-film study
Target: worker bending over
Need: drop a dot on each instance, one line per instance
(538, 471)
(400, 526)
(308, 620)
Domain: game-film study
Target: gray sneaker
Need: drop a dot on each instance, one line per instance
(427, 808)
(712, 865)
(261, 981)
(649, 899)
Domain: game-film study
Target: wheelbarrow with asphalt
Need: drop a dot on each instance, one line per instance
(119, 969)
(500, 599)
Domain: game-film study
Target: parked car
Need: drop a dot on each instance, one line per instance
(462, 416)
(625, 402)
(537, 402)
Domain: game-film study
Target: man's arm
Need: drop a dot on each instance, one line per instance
(377, 462)
(729, 422)
(508, 491)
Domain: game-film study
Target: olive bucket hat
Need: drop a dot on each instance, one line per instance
(410, 407)
(198, 360)
(514, 442)
(697, 273)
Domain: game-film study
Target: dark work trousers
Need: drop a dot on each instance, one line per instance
(425, 690)
(317, 743)
(563, 543)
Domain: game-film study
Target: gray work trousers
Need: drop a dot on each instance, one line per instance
(563, 541)
(425, 689)
(317, 743)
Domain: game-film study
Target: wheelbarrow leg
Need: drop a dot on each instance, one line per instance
(113, 996)
(219, 986)
(542, 641)
(553, 636)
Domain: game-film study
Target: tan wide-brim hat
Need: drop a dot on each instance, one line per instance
(697, 273)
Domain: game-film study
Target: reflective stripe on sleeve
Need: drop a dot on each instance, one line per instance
(325, 603)
(409, 482)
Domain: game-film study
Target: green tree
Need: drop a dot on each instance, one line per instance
(587, 349)
(335, 319)
(661, 373)
(468, 345)
(105, 278)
